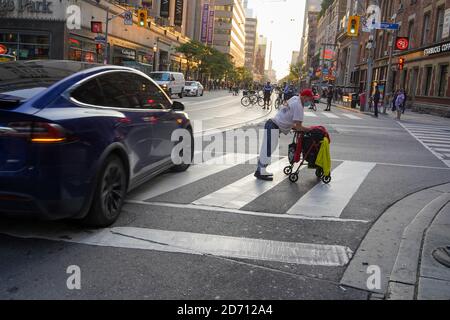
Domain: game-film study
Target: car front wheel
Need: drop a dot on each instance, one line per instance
(109, 194)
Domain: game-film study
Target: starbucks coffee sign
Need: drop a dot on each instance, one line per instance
(437, 49)
(26, 6)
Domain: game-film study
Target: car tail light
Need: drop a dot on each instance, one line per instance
(37, 132)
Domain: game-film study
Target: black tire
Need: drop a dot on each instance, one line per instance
(326, 180)
(287, 171)
(245, 101)
(181, 95)
(261, 102)
(170, 93)
(293, 178)
(109, 194)
(184, 166)
(202, 93)
(319, 173)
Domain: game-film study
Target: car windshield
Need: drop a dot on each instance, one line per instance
(21, 80)
(191, 84)
(160, 76)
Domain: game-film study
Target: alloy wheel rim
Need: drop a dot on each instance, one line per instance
(112, 191)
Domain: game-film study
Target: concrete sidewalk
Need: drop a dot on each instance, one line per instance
(401, 244)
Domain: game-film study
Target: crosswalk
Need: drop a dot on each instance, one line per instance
(435, 138)
(318, 204)
(320, 201)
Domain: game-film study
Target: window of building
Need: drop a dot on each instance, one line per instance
(439, 24)
(443, 80)
(410, 32)
(27, 45)
(427, 83)
(426, 29)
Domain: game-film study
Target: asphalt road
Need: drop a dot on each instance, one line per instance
(216, 233)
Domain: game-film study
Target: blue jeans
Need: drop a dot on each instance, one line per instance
(269, 145)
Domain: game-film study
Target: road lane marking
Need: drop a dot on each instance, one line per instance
(237, 195)
(170, 182)
(330, 200)
(429, 148)
(194, 243)
(351, 116)
(330, 115)
(240, 212)
(310, 114)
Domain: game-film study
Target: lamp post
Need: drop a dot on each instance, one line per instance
(155, 50)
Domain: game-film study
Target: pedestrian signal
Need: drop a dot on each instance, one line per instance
(401, 63)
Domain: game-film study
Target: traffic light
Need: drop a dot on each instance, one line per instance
(353, 26)
(98, 48)
(401, 63)
(142, 16)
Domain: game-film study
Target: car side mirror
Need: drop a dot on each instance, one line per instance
(177, 106)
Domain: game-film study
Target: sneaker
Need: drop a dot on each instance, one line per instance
(264, 172)
(259, 176)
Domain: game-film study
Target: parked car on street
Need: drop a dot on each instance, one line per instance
(193, 88)
(171, 82)
(76, 137)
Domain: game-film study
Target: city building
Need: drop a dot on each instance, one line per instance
(310, 6)
(260, 60)
(309, 45)
(251, 25)
(228, 32)
(425, 75)
(295, 57)
(326, 46)
(347, 48)
(50, 33)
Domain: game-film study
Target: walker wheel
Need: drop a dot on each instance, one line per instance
(293, 178)
(287, 171)
(326, 180)
(319, 173)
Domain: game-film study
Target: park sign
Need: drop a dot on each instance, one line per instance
(437, 49)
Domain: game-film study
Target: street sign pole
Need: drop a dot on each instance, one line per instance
(370, 61)
(389, 87)
(106, 60)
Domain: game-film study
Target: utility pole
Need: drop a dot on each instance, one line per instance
(370, 62)
(388, 90)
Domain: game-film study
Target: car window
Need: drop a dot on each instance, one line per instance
(160, 76)
(150, 95)
(89, 93)
(120, 90)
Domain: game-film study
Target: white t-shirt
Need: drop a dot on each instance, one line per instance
(287, 115)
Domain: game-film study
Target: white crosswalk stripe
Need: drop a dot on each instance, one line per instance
(310, 114)
(351, 116)
(244, 191)
(435, 138)
(330, 115)
(167, 183)
(331, 200)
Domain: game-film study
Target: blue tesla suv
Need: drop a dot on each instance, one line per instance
(76, 137)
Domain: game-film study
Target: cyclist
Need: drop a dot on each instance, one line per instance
(268, 89)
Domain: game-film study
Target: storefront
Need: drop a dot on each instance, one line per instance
(84, 49)
(426, 77)
(33, 29)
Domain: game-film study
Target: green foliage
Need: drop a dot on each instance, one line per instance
(324, 6)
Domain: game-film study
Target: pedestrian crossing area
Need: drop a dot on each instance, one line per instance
(310, 201)
(320, 201)
(332, 115)
(436, 138)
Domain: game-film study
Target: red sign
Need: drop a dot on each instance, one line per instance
(402, 43)
(96, 27)
(3, 49)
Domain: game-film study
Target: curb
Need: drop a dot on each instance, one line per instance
(404, 276)
(386, 244)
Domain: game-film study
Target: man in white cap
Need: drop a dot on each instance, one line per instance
(289, 117)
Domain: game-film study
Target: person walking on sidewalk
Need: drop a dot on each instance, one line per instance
(376, 100)
(289, 117)
(330, 94)
(399, 103)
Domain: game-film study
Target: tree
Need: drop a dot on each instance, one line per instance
(193, 51)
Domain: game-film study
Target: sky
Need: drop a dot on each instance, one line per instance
(281, 21)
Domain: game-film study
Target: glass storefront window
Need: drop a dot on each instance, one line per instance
(84, 50)
(26, 45)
